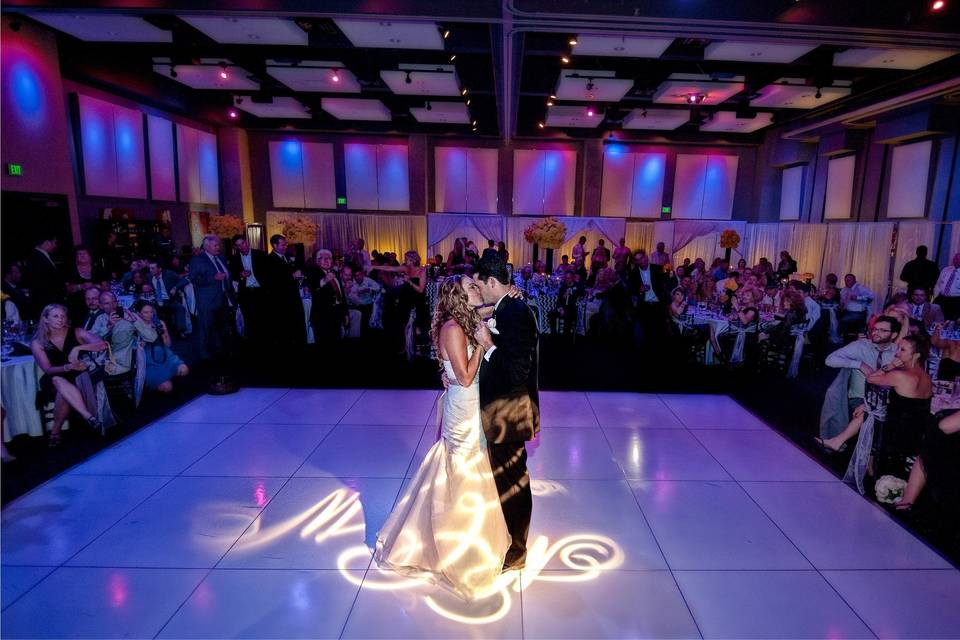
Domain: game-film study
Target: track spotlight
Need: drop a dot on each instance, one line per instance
(408, 79)
(591, 112)
(446, 33)
(695, 98)
(463, 92)
(540, 124)
(572, 42)
(549, 103)
(233, 114)
(818, 94)
(429, 106)
(173, 71)
(553, 97)
(468, 102)
(564, 59)
(223, 70)
(453, 57)
(336, 75)
(937, 5)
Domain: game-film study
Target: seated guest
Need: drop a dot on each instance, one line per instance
(600, 257)
(524, 280)
(946, 292)
(794, 316)
(855, 301)
(670, 279)
(42, 278)
(91, 301)
(949, 367)
(121, 328)
(328, 312)
(163, 365)
(580, 270)
(540, 268)
(566, 309)
(908, 405)
(926, 313)
(166, 286)
(812, 306)
(848, 389)
(678, 303)
(937, 465)
(787, 266)
(361, 294)
(81, 275)
(564, 265)
(56, 348)
(830, 293)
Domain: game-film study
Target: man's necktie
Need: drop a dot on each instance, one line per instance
(947, 290)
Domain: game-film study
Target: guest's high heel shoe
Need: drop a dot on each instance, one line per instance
(96, 425)
(820, 442)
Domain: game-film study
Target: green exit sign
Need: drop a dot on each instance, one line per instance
(341, 200)
(664, 209)
(14, 169)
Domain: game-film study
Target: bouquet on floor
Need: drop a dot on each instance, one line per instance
(226, 226)
(299, 229)
(548, 233)
(729, 239)
(890, 489)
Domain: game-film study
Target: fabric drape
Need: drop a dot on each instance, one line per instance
(521, 251)
(640, 236)
(871, 259)
(911, 235)
(701, 239)
(444, 229)
(380, 232)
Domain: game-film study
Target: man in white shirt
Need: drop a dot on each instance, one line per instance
(580, 249)
(855, 301)
(660, 256)
(946, 293)
(245, 265)
(361, 295)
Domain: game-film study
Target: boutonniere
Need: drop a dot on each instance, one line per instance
(492, 325)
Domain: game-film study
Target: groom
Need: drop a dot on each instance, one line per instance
(509, 399)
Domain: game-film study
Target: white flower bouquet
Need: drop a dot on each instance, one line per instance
(226, 226)
(889, 489)
(548, 233)
(299, 229)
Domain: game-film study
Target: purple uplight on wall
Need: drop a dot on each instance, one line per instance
(28, 91)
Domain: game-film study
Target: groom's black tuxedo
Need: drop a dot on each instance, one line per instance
(510, 413)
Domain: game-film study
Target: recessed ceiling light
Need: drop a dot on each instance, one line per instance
(446, 33)
(540, 124)
(453, 57)
(564, 59)
(463, 92)
(336, 76)
(573, 42)
(938, 5)
(223, 70)
(233, 114)
(549, 103)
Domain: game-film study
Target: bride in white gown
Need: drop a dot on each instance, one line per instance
(448, 526)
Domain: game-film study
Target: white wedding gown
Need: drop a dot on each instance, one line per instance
(448, 526)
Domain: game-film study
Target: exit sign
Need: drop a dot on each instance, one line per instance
(14, 169)
(341, 200)
(664, 209)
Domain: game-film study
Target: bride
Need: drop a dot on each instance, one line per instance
(448, 527)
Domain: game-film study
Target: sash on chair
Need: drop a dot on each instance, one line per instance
(857, 469)
(800, 335)
(741, 342)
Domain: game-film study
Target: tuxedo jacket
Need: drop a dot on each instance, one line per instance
(930, 314)
(259, 268)
(44, 280)
(509, 388)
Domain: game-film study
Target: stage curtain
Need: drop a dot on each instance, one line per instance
(838, 250)
(380, 232)
(640, 236)
(871, 259)
(911, 235)
(444, 229)
(805, 243)
(761, 241)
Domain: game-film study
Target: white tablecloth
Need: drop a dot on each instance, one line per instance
(18, 383)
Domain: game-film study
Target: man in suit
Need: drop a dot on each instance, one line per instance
(43, 278)
(509, 399)
(328, 312)
(167, 286)
(920, 272)
(11, 286)
(247, 269)
(286, 324)
(210, 278)
(922, 311)
(567, 297)
(491, 249)
(91, 301)
(647, 283)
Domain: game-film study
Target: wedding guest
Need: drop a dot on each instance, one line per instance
(111, 261)
(669, 281)
(167, 286)
(771, 297)
(787, 265)
(209, 276)
(580, 250)
(361, 257)
(42, 277)
(848, 389)
(502, 252)
(282, 280)
(56, 347)
(937, 465)
(920, 272)
(622, 253)
(328, 313)
(361, 295)
(855, 301)
(660, 256)
(830, 293)
(600, 257)
(80, 275)
(491, 249)
(246, 265)
(742, 266)
(121, 328)
(946, 292)
(456, 258)
(564, 265)
(926, 313)
(794, 316)
(91, 301)
(163, 365)
(764, 266)
(524, 280)
(10, 286)
(566, 308)
(678, 303)
(949, 367)
(581, 271)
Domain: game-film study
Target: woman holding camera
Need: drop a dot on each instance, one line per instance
(163, 365)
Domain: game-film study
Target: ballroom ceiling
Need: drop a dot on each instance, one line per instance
(682, 69)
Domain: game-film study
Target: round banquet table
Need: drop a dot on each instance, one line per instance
(18, 378)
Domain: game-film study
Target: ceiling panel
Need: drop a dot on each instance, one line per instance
(380, 34)
(450, 112)
(278, 108)
(314, 77)
(909, 59)
(570, 116)
(728, 121)
(793, 93)
(104, 28)
(756, 51)
(621, 46)
(207, 75)
(680, 85)
(239, 30)
(656, 119)
(427, 81)
(356, 109)
(585, 85)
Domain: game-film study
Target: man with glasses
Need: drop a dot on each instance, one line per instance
(849, 388)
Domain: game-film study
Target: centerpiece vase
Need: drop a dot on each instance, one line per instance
(536, 252)
(727, 255)
(549, 261)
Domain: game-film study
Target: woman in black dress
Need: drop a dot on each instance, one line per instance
(937, 466)
(56, 348)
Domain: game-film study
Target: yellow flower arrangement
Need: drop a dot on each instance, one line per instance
(226, 226)
(807, 277)
(548, 233)
(729, 239)
(299, 229)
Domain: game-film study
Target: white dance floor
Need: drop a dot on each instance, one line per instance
(666, 516)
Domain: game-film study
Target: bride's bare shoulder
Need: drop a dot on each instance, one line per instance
(451, 326)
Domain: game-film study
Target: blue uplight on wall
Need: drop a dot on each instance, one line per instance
(652, 170)
(29, 95)
(615, 150)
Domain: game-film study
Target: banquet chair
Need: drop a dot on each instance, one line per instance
(128, 386)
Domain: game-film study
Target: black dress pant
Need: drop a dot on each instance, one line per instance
(509, 463)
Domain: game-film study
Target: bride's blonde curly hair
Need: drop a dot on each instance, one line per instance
(452, 302)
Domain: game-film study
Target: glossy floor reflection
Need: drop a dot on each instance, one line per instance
(254, 515)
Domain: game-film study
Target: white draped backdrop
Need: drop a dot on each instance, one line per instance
(870, 250)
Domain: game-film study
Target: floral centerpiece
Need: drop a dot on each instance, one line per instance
(729, 240)
(549, 233)
(226, 226)
(299, 229)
